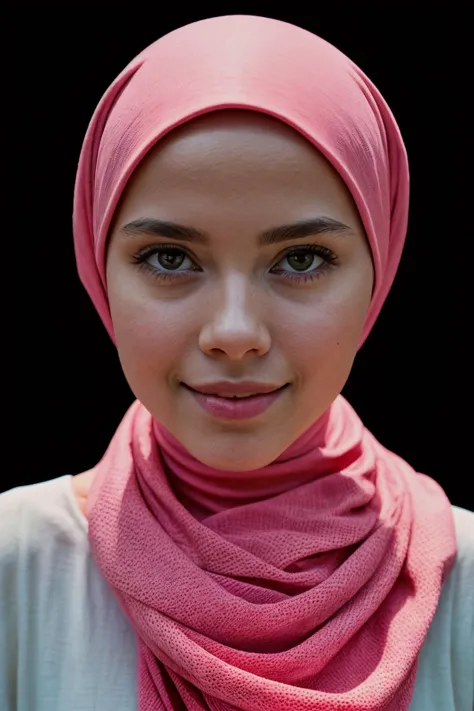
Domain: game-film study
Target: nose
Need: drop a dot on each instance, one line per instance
(234, 328)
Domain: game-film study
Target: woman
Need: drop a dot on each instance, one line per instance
(245, 543)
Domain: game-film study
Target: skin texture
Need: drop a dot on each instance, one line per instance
(234, 315)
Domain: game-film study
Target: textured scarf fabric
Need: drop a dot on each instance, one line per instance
(311, 583)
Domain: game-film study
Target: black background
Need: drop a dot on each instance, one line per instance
(410, 380)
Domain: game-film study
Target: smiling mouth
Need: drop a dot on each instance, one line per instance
(234, 395)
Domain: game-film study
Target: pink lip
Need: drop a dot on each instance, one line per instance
(226, 388)
(217, 404)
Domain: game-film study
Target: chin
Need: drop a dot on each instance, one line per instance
(232, 448)
(233, 458)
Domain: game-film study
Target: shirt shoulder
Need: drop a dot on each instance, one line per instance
(464, 523)
(28, 512)
(445, 674)
(34, 521)
(60, 625)
(460, 583)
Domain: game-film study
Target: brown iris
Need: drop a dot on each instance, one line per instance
(171, 258)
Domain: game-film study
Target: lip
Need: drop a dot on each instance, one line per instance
(216, 398)
(227, 388)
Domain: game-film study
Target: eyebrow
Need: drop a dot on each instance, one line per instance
(274, 235)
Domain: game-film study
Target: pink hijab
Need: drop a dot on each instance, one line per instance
(311, 583)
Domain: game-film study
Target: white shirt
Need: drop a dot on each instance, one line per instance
(65, 645)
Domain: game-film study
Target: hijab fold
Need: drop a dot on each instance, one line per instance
(310, 583)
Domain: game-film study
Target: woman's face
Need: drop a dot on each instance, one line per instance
(228, 295)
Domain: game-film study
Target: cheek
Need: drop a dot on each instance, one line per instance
(320, 340)
(151, 335)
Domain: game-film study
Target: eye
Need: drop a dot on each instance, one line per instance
(302, 265)
(304, 259)
(169, 259)
(165, 262)
(301, 260)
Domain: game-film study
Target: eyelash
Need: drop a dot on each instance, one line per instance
(328, 255)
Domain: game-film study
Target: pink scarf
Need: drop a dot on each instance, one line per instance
(311, 583)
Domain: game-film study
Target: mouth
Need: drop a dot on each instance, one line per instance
(237, 390)
(235, 401)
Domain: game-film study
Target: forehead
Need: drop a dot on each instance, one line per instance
(230, 133)
(235, 152)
